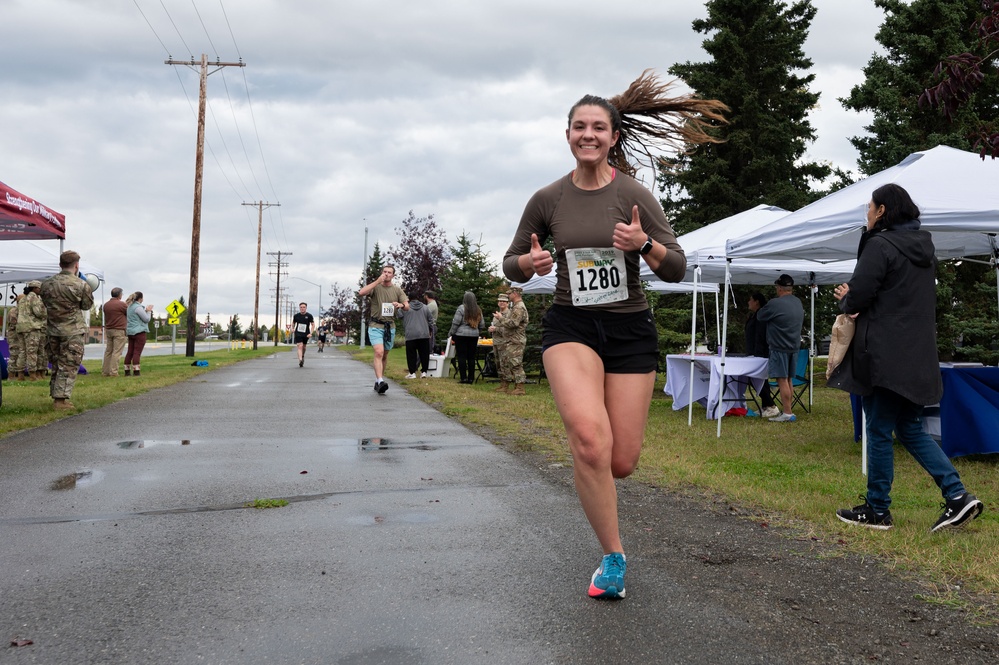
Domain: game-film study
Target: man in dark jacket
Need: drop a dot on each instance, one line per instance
(892, 362)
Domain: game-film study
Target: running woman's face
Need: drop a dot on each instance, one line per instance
(590, 135)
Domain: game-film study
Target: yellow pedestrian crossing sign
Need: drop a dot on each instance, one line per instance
(175, 309)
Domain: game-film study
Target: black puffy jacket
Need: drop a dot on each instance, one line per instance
(893, 288)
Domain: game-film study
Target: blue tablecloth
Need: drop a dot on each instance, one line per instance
(969, 411)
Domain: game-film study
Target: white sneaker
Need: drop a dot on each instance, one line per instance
(783, 418)
(423, 376)
(770, 412)
(410, 376)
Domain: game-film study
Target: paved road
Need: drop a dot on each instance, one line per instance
(408, 540)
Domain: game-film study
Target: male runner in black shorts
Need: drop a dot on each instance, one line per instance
(302, 324)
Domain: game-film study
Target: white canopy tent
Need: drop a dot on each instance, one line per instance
(707, 261)
(23, 260)
(956, 191)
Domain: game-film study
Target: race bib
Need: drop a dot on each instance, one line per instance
(597, 275)
(303, 328)
(388, 310)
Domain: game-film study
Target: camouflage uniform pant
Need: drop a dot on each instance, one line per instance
(514, 352)
(16, 343)
(34, 350)
(65, 354)
(502, 368)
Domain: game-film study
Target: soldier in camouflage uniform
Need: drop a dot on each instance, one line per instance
(31, 322)
(499, 344)
(15, 340)
(514, 325)
(66, 297)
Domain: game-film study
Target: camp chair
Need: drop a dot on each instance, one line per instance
(799, 383)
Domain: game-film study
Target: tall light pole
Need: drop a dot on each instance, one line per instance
(364, 277)
(320, 293)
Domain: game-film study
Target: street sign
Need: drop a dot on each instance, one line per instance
(173, 321)
(175, 309)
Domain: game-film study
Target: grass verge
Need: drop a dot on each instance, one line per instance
(27, 404)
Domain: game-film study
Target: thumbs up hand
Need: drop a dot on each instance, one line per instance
(541, 258)
(630, 237)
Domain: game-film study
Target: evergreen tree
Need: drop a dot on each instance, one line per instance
(422, 254)
(758, 69)
(469, 270)
(916, 36)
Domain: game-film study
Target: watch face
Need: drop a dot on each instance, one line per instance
(647, 247)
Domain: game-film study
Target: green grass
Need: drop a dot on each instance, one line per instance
(27, 404)
(792, 476)
(261, 504)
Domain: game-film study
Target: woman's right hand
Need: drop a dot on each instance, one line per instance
(541, 258)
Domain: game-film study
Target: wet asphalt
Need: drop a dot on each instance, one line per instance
(124, 535)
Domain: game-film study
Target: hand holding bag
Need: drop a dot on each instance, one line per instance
(842, 334)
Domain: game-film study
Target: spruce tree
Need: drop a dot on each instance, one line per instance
(759, 69)
(915, 37)
(469, 270)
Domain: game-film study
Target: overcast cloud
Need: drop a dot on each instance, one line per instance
(348, 114)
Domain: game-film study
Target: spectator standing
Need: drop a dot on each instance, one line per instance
(464, 334)
(386, 298)
(136, 329)
(416, 322)
(892, 362)
(31, 323)
(756, 345)
(499, 343)
(115, 336)
(783, 316)
(15, 340)
(430, 298)
(66, 297)
(514, 325)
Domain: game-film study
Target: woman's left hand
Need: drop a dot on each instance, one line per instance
(630, 237)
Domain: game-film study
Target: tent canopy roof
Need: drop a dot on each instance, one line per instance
(956, 192)
(23, 218)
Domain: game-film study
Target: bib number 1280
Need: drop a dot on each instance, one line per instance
(597, 279)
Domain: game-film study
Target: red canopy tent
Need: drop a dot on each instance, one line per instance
(23, 218)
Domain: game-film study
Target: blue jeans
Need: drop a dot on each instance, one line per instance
(889, 412)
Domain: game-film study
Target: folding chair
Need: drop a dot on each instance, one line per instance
(799, 383)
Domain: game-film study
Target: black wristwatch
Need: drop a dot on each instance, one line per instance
(647, 247)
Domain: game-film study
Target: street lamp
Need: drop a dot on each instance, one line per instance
(320, 293)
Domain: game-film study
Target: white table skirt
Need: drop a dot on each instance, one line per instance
(739, 371)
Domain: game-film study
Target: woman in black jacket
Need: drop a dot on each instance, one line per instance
(892, 362)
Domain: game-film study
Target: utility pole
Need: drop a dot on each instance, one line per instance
(277, 306)
(256, 295)
(199, 162)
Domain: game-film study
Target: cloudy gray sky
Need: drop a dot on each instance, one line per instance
(348, 114)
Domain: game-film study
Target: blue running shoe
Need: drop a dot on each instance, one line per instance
(608, 580)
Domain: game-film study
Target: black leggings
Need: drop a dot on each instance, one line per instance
(465, 349)
(417, 350)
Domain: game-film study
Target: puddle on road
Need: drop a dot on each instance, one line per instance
(128, 445)
(81, 478)
(408, 518)
(378, 443)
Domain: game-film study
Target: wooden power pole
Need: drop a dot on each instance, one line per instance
(256, 297)
(277, 306)
(199, 162)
